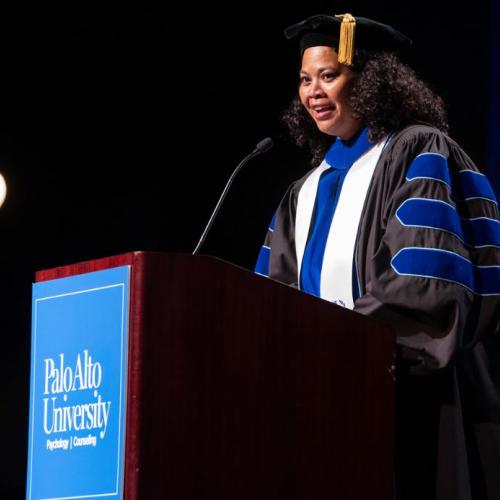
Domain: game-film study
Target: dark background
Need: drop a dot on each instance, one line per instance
(120, 125)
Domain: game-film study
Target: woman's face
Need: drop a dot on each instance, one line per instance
(325, 88)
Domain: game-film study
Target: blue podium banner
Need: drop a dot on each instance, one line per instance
(78, 386)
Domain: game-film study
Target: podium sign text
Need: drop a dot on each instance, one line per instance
(78, 386)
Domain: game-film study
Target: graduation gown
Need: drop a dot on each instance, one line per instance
(426, 260)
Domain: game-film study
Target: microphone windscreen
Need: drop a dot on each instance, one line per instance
(264, 145)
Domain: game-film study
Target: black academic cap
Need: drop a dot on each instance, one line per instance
(345, 32)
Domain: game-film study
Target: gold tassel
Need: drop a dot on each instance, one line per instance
(346, 40)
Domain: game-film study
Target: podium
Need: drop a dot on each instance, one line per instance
(229, 386)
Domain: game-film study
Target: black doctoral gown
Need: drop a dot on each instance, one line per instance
(427, 258)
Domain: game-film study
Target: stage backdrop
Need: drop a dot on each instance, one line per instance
(494, 104)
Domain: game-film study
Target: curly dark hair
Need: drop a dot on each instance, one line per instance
(387, 95)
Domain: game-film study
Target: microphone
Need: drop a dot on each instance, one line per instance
(262, 147)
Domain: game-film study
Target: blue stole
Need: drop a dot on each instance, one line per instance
(339, 158)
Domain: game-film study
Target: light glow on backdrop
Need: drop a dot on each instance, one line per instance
(3, 189)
